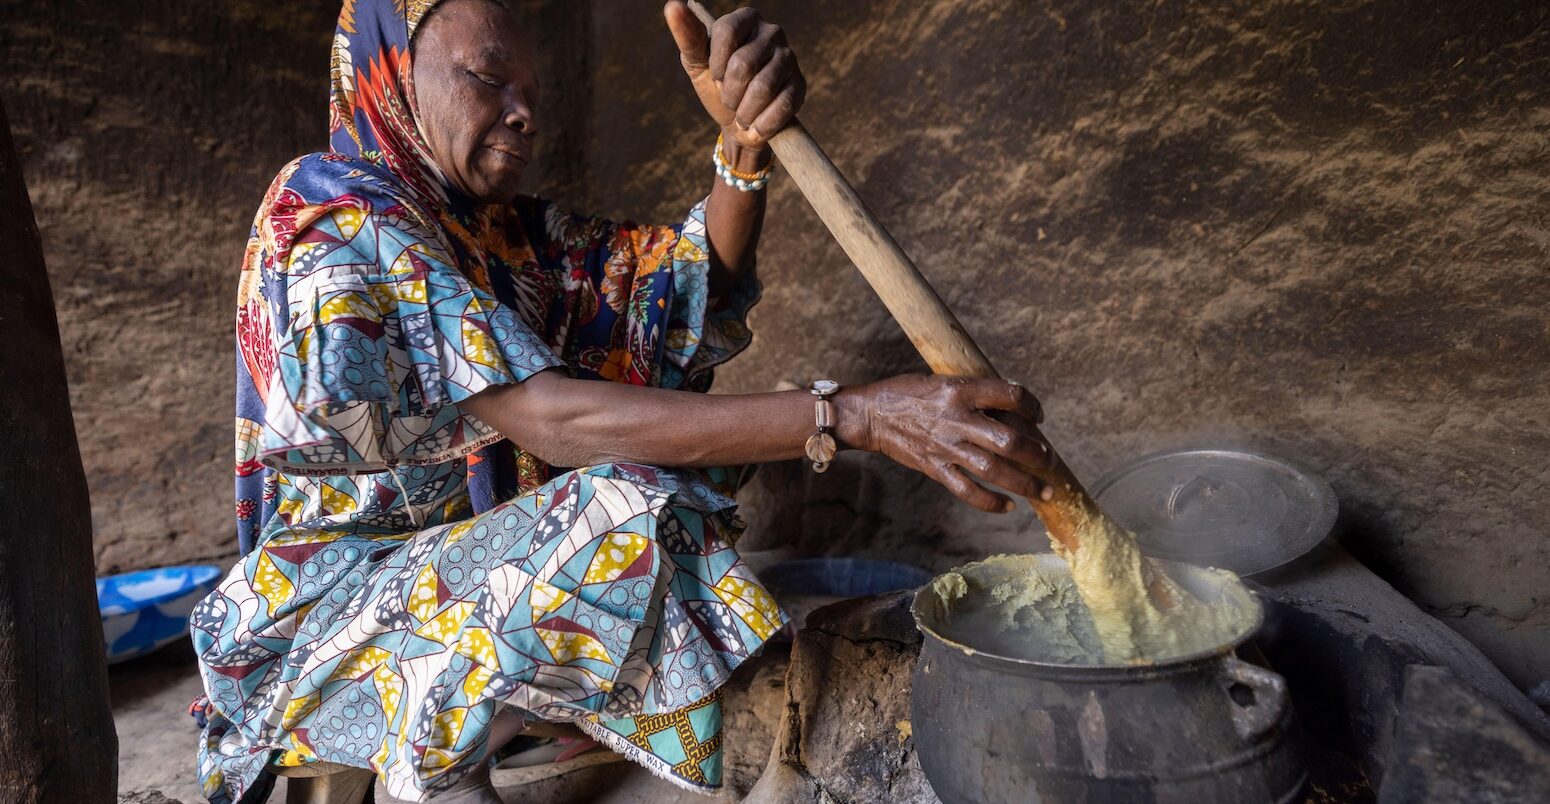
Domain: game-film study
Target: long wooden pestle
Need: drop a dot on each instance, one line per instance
(930, 325)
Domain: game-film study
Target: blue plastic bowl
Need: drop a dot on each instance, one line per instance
(144, 610)
(842, 577)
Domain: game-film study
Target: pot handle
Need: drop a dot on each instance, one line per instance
(1266, 694)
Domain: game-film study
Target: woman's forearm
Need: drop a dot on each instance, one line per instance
(935, 425)
(569, 422)
(733, 219)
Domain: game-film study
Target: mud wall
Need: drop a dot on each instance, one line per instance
(1314, 228)
(148, 133)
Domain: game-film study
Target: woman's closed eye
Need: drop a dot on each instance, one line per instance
(485, 78)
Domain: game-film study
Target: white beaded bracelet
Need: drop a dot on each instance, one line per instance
(741, 184)
(747, 182)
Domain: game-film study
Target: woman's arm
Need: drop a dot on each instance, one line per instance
(569, 422)
(747, 78)
(733, 221)
(935, 425)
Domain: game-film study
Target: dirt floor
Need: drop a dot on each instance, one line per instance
(156, 737)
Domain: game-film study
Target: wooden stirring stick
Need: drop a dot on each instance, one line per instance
(930, 325)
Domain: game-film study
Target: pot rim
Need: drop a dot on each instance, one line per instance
(1180, 662)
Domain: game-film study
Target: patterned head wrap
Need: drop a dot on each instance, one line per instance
(372, 119)
(371, 99)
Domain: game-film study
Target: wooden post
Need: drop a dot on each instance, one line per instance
(57, 742)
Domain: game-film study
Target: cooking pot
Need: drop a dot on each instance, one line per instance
(1198, 729)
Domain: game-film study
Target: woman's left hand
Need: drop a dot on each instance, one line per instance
(744, 72)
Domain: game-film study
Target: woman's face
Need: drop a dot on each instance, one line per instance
(475, 91)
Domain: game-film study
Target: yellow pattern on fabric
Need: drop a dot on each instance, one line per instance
(248, 432)
(403, 267)
(271, 584)
(751, 603)
(478, 346)
(295, 757)
(349, 220)
(297, 709)
(348, 304)
(476, 682)
(458, 531)
(478, 645)
(291, 507)
(302, 251)
(414, 10)
(446, 625)
(545, 598)
(567, 646)
(447, 725)
(389, 687)
(409, 291)
(681, 339)
(336, 501)
(688, 251)
(363, 663)
(699, 752)
(434, 759)
(614, 556)
(285, 539)
(423, 604)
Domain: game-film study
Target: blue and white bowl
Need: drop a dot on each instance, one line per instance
(144, 610)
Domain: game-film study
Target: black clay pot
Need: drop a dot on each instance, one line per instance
(1198, 729)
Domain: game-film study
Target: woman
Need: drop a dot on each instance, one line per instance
(419, 348)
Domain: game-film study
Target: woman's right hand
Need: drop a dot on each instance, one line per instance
(942, 427)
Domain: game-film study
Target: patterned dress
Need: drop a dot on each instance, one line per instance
(405, 570)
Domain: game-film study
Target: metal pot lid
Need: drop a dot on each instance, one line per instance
(1239, 511)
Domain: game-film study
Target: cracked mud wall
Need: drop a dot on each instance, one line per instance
(1318, 229)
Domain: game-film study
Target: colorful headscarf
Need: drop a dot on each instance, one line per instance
(371, 97)
(372, 119)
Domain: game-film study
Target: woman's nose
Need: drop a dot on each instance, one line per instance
(519, 114)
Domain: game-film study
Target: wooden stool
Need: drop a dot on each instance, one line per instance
(324, 783)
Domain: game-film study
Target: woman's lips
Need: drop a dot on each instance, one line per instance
(519, 154)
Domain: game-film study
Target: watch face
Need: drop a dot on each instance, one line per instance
(824, 387)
